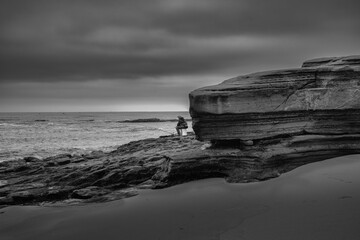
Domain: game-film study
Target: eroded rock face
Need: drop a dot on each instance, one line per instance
(321, 98)
(276, 121)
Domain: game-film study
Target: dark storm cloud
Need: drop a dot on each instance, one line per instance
(82, 40)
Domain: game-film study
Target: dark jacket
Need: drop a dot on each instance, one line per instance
(182, 124)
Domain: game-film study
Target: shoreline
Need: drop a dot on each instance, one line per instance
(318, 200)
(99, 176)
(45, 135)
(152, 163)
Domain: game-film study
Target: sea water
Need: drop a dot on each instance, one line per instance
(46, 134)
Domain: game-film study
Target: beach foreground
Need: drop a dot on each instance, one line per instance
(316, 201)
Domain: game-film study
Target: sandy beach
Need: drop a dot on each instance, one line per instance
(316, 201)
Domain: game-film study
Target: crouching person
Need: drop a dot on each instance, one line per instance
(181, 126)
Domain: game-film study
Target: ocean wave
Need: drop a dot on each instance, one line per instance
(145, 120)
(13, 125)
(25, 137)
(42, 154)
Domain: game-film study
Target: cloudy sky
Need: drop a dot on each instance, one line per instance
(147, 55)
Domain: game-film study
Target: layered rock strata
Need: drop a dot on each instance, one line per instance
(320, 98)
(157, 163)
(275, 121)
(94, 177)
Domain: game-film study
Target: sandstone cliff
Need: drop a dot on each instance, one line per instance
(275, 121)
(322, 98)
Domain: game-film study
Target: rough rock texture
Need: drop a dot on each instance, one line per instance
(275, 121)
(93, 177)
(321, 98)
(158, 163)
(259, 126)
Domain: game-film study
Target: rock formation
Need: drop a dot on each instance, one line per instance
(322, 97)
(283, 118)
(259, 126)
(94, 177)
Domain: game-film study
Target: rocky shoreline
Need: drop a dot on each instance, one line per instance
(94, 177)
(252, 128)
(149, 164)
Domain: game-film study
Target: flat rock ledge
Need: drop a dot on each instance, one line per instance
(158, 163)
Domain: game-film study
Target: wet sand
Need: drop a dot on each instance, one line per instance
(316, 201)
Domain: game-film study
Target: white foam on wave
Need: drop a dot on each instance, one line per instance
(13, 125)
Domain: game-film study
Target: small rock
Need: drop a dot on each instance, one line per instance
(267, 175)
(124, 193)
(70, 202)
(31, 159)
(248, 143)
(205, 146)
(147, 184)
(89, 192)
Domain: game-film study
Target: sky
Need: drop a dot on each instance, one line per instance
(147, 55)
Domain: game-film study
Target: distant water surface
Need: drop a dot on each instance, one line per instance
(46, 134)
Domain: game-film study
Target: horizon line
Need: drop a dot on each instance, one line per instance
(88, 111)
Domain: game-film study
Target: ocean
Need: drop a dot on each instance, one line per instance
(46, 134)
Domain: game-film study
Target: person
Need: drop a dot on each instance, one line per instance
(181, 125)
